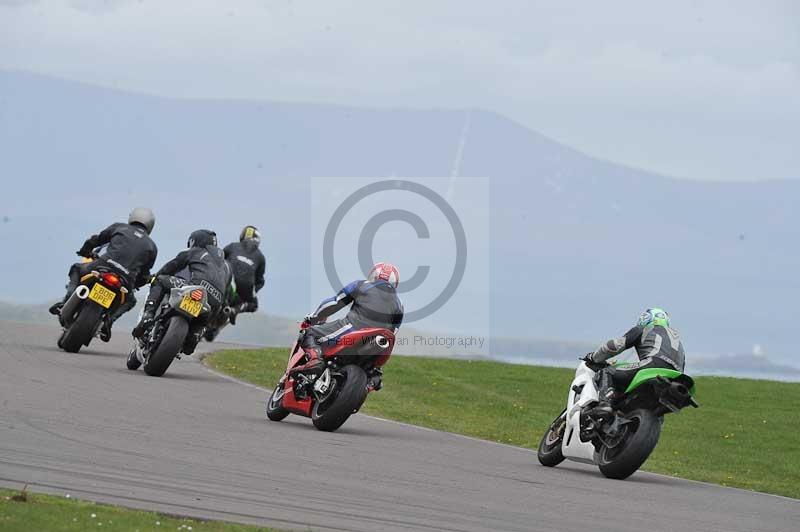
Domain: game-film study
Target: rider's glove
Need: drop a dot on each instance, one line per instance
(311, 319)
(592, 364)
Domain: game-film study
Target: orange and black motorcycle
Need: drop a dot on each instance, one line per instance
(99, 294)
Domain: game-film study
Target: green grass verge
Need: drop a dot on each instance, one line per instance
(46, 512)
(743, 435)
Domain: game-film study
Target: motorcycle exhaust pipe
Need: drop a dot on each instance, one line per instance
(682, 396)
(679, 391)
(382, 341)
(71, 306)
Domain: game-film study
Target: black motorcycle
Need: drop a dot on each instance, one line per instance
(167, 336)
(99, 294)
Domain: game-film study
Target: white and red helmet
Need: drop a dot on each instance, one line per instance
(384, 271)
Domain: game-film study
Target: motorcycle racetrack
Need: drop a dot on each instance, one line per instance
(196, 443)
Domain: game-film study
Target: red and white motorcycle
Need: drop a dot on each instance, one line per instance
(352, 370)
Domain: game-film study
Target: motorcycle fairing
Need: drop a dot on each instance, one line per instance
(290, 402)
(582, 392)
(362, 337)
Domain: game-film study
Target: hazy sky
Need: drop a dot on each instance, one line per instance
(693, 89)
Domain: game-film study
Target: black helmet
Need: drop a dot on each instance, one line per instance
(144, 217)
(202, 238)
(250, 232)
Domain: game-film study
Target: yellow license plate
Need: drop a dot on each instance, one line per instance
(102, 295)
(190, 306)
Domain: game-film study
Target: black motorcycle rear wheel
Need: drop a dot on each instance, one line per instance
(82, 329)
(550, 453)
(351, 392)
(640, 439)
(171, 343)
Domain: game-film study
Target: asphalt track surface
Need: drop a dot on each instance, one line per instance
(196, 443)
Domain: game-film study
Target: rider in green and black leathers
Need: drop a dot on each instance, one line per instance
(657, 344)
(248, 266)
(203, 264)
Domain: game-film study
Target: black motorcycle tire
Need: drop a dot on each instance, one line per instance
(550, 453)
(171, 343)
(636, 447)
(332, 414)
(276, 412)
(82, 329)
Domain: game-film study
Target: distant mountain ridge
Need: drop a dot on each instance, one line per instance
(578, 245)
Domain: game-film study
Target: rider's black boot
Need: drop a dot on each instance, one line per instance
(148, 317)
(105, 329)
(608, 400)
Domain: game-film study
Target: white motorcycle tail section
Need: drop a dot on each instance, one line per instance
(572, 446)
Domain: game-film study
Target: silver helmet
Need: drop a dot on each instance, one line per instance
(144, 217)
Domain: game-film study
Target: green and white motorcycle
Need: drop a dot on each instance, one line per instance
(619, 443)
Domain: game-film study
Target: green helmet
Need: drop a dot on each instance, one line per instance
(653, 317)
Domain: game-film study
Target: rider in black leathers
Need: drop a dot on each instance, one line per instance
(202, 264)
(248, 266)
(130, 252)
